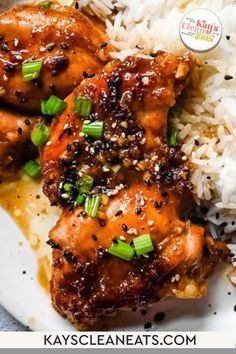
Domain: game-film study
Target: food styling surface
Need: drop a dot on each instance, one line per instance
(124, 173)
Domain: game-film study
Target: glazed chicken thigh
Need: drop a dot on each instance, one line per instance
(144, 189)
(68, 43)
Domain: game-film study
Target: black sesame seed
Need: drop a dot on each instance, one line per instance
(76, 5)
(94, 237)
(196, 142)
(27, 122)
(158, 204)
(124, 227)
(68, 147)
(233, 223)
(223, 224)
(228, 77)
(51, 46)
(227, 37)
(55, 73)
(208, 177)
(235, 308)
(24, 272)
(164, 194)
(217, 216)
(159, 316)
(18, 93)
(115, 241)
(229, 293)
(53, 244)
(147, 325)
(102, 223)
(9, 68)
(103, 45)
(215, 313)
(138, 211)
(64, 45)
(118, 213)
(4, 47)
(153, 55)
(19, 130)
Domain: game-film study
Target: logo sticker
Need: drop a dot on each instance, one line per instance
(200, 30)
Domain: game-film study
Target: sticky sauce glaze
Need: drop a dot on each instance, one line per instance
(24, 201)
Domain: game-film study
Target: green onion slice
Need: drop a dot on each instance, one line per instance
(54, 106)
(32, 169)
(83, 106)
(85, 184)
(91, 205)
(122, 250)
(143, 244)
(46, 4)
(31, 71)
(173, 137)
(80, 200)
(68, 188)
(40, 135)
(93, 130)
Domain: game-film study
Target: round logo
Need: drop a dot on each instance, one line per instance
(200, 30)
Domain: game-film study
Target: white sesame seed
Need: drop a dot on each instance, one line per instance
(135, 162)
(87, 121)
(123, 135)
(122, 238)
(66, 125)
(109, 194)
(143, 141)
(145, 80)
(157, 168)
(105, 169)
(16, 42)
(65, 196)
(114, 125)
(61, 184)
(177, 277)
(49, 143)
(132, 230)
(150, 222)
(154, 158)
(145, 255)
(114, 138)
(5, 78)
(115, 192)
(42, 49)
(122, 186)
(184, 158)
(18, 57)
(142, 202)
(81, 134)
(172, 280)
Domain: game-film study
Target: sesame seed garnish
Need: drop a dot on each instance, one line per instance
(118, 213)
(156, 168)
(228, 77)
(124, 227)
(81, 134)
(138, 211)
(145, 80)
(122, 238)
(150, 222)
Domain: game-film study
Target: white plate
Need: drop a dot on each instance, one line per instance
(23, 296)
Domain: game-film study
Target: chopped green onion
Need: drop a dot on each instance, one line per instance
(94, 130)
(143, 244)
(122, 250)
(54, 106)
(31, 71)
(68, 188)
(46, 4)
(80, 199)
(40, 135)
(43, 106)
(92, 205)
(85, 184)
(175, 111)
(83, 106)
(173, 137)
(32, 169)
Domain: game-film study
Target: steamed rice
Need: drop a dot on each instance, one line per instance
(207, 125)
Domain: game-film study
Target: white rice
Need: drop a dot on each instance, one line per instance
(209, 112)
